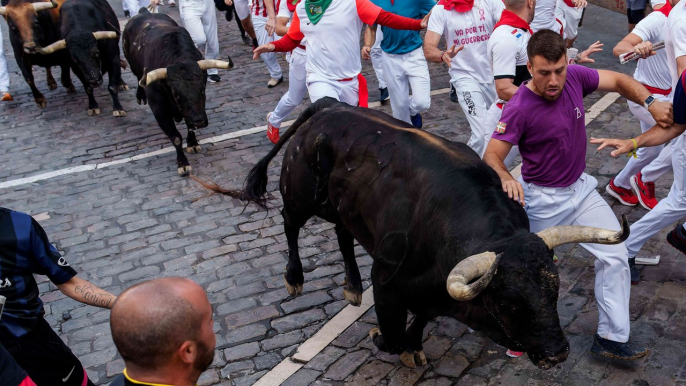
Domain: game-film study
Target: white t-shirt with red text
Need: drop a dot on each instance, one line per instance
(473, 29)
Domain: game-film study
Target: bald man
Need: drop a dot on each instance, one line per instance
(163, 331)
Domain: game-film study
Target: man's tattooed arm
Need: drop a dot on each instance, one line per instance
(86, 292)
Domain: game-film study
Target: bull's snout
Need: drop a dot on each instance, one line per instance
(548, 362)
(30, 48)
(199, 123)
(96, 82)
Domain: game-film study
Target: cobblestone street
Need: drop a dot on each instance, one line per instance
(122, 223)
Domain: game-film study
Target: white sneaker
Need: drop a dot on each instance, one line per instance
(274, 82)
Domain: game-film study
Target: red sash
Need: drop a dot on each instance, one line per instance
(362, 91)
(509, 18)
(458, 5)
(654, 90)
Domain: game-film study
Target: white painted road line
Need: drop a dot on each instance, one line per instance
(334, 327)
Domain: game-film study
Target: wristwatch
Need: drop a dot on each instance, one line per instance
(649, 101)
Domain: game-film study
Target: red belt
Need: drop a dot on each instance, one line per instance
(500, 105)
(659, 91)
(363, 91)
(301, 47)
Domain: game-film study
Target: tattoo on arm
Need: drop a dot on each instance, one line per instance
(93, 297)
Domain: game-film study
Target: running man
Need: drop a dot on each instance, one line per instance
(335, 26)
(546, 119)
(263, 15)
(403, 62)
(297, 73)
(467, 26)
(24, 251)
(568, 13)
(5, 95)
(653, 72)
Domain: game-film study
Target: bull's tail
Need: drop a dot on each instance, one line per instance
(255, 187)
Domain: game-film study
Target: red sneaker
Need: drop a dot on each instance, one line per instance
(514, 354)
(645, 191)
(625, 196)
(272, 132)
(7, 97)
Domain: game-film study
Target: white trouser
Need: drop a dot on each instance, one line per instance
(569, 17)
(668, 210)
(4, 72)
(403, 72)
(475, 98)
(200, 19)
(124, 6)
(644, 155)
(492, 119)
(319, 87)
(377, 59)
(263, 38)
(134, 5)
(296, 87)
(580, 204)
(242, 8)
(660, 165)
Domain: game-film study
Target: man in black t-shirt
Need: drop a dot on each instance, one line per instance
(24, 251)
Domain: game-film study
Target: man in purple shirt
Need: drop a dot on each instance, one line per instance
(546, 119)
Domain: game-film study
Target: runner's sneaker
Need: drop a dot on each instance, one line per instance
(246, 40)
(6, 97)
(214, 78)
(635, 273)
(127, 13)
(417, 120)
(383, 95)
(611, 349)
(272, 132)
(625, 196)
(677, 238)
(645, 191)
(274, 82)
(514, 354)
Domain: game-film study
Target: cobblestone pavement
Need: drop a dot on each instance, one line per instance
(136, 221)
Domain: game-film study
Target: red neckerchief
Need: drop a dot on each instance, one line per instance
(665, 9)
(569, 3)
(291, 4)
(509, 18)
(458, 5)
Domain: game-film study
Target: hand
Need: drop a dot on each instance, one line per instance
(228, 2)
(270, 26)
(366, 52)
(584, 57)
(623, 146)
(580, 3)
(514, 190)
(425, 21)
(153, 4)
(263, 49)
(662, 113)
(450, 53)
(645, 49)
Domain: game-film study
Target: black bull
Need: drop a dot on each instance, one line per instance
(419, 205)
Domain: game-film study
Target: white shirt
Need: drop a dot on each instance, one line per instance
(283, 11)
(506, 51)
(675, 38)
(544, 15)
(473, 29)
(653, 71)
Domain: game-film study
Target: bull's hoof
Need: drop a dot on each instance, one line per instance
(71, 90)
(142, 101)
(194, 149)
(374, 332)
(52, 85)
(42, 103)
(420, 358)
(123, 87)
(184, 170)
(354, 298)
(92, 112)
(119, 113)
(293, 290)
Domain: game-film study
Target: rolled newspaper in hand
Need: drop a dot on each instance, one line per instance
(632, 56)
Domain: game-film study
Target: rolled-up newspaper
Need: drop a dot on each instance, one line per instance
(632, 56)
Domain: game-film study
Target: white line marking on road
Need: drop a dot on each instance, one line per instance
(339, 323)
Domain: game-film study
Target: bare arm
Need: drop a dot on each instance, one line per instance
(505, 88)
(369, 39)
(627, 44)
(86, 292)
(433, 54)
(494, 155)
(282, 25)
(653, 137)
(271, 17)
(634, 91)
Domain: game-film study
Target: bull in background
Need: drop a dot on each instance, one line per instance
(445, 239)
(34, 24)
(172, 77)
(91, 38)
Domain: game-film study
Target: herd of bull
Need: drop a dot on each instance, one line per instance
(82, 36)
(444, 237)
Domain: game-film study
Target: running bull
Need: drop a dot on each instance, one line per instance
(444, 238)
(91, 39)
(172, 76)
(34, 24)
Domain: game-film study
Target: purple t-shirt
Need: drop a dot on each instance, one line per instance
(551, 135)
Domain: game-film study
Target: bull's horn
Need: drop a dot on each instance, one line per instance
(154, 75)
(3, 11)
(207, 64)
(483, 266)
(44, 5)
(56, 46)
(105, 35)
(566, 234)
